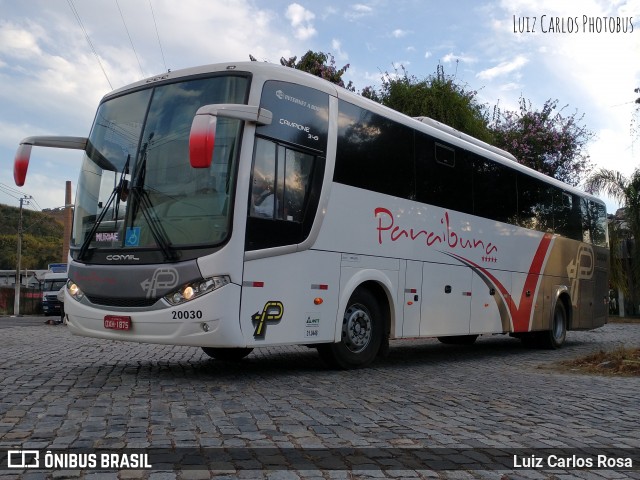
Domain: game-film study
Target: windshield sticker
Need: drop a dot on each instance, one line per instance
(107, 237)
(132, 238)
(271, 314)
(283, 96)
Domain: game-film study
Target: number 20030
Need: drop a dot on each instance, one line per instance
(187, 314)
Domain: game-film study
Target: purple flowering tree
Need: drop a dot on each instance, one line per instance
(320, 64)
(546, 140)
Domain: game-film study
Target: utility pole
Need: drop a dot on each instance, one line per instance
(16, 303)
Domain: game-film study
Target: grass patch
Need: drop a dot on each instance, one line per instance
(622, 361)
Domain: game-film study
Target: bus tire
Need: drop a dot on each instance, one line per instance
(458, 339)
(227, 354)
(557, 333)
(362, 332)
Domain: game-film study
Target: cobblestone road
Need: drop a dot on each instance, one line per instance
(58, 391)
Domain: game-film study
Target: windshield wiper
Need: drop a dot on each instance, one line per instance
(115, 195)
(141, 199)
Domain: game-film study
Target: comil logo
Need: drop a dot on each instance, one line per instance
(280, 94)
(23, 459)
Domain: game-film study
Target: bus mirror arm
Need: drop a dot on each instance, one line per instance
(21, 162)
(248, 113)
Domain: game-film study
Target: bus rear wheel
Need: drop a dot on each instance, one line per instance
(227, 354)
(557, 333)
(362, 332)
(554, 337)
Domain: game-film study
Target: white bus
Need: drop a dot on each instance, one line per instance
(236, 206)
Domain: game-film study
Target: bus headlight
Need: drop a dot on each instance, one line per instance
(196, 289)
(74, 291)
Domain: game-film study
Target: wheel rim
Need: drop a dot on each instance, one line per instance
(357, 328)
(558, 325)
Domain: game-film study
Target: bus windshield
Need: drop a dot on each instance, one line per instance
(136, 187)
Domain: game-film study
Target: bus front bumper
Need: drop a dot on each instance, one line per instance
(208, 321)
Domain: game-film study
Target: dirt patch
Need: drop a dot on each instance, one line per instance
(623, 362)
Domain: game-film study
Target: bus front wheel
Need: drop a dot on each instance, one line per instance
(361, 336)
(227, 354)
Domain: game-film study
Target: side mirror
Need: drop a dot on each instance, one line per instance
(202, 140)
(21, 164)
(21, 161)
(203, 128)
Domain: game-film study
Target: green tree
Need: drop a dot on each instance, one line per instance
(626, 191)
(545, 140)
(439, 96)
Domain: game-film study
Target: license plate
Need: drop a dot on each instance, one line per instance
(117, 322)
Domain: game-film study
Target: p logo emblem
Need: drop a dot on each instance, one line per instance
(271, 314)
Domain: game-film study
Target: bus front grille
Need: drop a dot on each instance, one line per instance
(121, 302)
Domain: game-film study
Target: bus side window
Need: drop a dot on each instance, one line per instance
(443, 175)
(263, 180)
(298, 167)
(283, 195)
(280, 182)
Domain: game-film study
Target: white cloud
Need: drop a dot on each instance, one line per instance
(503, 68)
(451, 57)
(336, 46)
(427, 54)
(16, 41)
(301, 19)
(357, 11)
(399, 33)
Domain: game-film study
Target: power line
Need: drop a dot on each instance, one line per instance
(130, 41)
(11, 192)
(158, 35)
(86, 35)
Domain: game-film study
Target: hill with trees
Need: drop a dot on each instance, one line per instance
(41, 239)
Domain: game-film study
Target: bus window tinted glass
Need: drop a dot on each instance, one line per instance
(280, 183)
(594, 226)
(567, 215)
(443, 175)
(374, 153)
(535, 204)
(494, 190)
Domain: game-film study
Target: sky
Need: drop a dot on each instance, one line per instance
(58, 58)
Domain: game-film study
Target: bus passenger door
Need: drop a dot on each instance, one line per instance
(446, 300)
(412, 299)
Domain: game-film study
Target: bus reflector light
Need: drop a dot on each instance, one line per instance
(318, 301)
(319, 286)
